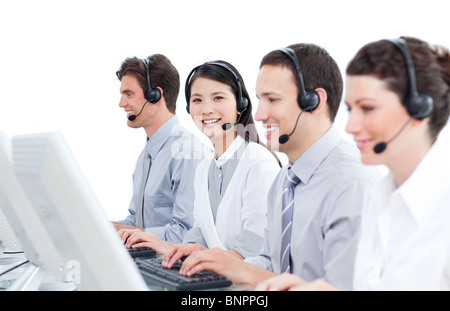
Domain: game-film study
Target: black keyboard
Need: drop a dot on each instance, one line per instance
(171, 279)
(141, 252)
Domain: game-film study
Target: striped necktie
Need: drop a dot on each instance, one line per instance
(289, 184)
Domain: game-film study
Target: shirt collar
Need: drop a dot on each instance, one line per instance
(231, 150)
(160, 137)
(310, 160)
(426, 183)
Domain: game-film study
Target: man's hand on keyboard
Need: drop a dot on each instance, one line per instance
(220, 262)
(134, 238)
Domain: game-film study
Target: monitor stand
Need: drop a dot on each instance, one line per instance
(33, 278)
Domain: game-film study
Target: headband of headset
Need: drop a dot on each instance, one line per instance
(419, 104)
(153, 95)
(308, 100)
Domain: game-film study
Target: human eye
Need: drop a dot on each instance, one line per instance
(218, 98)
(348, 108)
(196, 100)
(366, 108)
(273, 100)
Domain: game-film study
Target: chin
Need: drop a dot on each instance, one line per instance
(273, 145)
(133, 124)
(370, 158)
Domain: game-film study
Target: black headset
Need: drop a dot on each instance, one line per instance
(307, 100)
(153, 95)
(241, 101)
(419, 104)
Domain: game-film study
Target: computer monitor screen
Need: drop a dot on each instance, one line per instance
(70, 210)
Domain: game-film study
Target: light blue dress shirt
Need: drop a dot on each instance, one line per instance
(328, 204)
(169, 194)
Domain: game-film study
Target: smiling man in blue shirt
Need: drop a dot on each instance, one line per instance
(163, 193)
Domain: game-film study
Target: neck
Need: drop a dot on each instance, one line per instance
(406, 161)
(305, 138)
(222, 143)
(157, 121)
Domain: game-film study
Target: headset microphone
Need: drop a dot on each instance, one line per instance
(227, 126)
(134, 116)
(285, 137)
(380, 147)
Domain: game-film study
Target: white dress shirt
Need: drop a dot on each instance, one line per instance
(405, 241)
(240, 218)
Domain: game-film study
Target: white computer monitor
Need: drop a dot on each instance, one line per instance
(8, 239)
(67, 205)
(28, 231)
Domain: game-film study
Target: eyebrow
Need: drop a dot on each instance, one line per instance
(269, 93)
(214, 93)
(363, 99)
(126, 91)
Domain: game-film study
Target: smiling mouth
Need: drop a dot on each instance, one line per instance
(210, 121)
(361, 144)
(269, 129)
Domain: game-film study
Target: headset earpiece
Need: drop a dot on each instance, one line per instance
(308, 100)
(153, 95)
(419, 104)
(243, 104)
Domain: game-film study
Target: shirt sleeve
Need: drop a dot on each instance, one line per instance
(263, 259)
(131, 218)
(182, 176)
(254, 209)
(341, 233)
(195, 236)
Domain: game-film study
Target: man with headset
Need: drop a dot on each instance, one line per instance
(314, 204)
(162, 201)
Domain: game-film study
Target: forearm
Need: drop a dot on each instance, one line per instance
(234, 253)
(250, 276)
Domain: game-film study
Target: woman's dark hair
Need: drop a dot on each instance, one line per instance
(221, 74)
(162, 74)
(383, 60)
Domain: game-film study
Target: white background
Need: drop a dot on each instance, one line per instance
(58, 60)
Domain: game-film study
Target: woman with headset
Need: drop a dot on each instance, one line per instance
(398, 97)
(231, 185)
